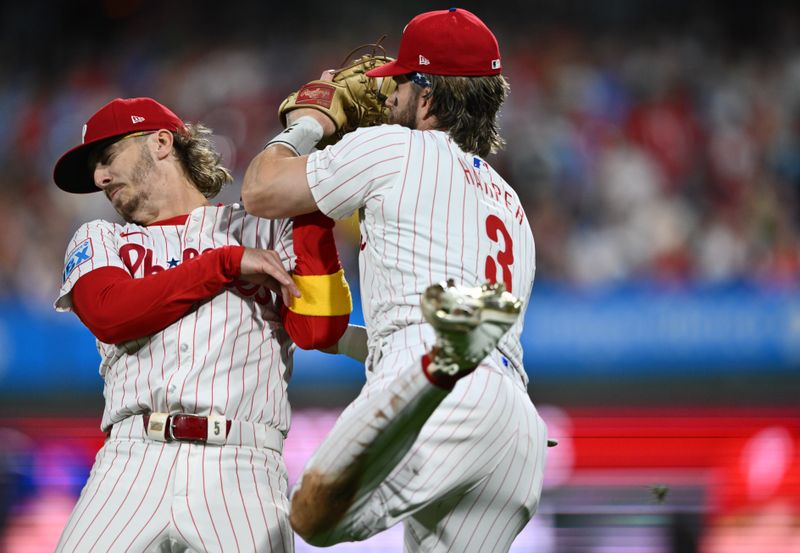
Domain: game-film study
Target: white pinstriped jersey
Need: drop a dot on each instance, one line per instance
(428, 211)
(228, 356)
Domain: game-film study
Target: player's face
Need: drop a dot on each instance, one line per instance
(122, 171)
(403, 103)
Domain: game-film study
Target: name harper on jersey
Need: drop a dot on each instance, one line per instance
(139, 262)
(491, 190)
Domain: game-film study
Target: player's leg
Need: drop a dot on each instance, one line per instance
(126, 502)
(373, 436)
(491, 489)
(233, 498)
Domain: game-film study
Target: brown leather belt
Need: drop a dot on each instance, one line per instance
(186, 428)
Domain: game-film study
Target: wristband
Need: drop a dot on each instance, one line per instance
(301, 136)
(353, 343)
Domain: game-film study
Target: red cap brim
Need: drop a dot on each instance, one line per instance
(72, 173)
(120, 117)
(391, 69)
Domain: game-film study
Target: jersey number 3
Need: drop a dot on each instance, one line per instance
(495, 229)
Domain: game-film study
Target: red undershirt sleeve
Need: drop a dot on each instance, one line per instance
(116, 307)
(316, 255)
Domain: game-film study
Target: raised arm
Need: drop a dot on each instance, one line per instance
(275, 183)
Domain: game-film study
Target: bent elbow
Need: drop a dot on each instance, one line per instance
(310, 332)
(258, 194)
(105, 328)
(257, 200)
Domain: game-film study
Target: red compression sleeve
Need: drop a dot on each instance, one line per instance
(316, 254)
(117, 307)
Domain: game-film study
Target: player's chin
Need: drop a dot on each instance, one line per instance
(127, 209)
(402, 121)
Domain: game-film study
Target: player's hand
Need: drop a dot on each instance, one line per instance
(264, 267)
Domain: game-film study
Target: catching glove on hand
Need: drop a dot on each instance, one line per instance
(351, 99)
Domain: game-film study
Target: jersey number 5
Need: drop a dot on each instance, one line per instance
(495, 229)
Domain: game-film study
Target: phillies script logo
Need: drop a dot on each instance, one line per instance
(139, 261)
(319, 94)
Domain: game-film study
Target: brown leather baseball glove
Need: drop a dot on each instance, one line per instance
(350, 99)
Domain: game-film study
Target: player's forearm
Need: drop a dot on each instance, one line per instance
(116, 307)
(275, 185)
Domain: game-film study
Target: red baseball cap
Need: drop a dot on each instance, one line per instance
(119, 117)
(445, 42)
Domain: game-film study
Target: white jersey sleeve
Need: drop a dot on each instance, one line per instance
(284, 243)
(344, 177)
(92, 247)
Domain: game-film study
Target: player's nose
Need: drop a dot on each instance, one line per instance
(102, 176)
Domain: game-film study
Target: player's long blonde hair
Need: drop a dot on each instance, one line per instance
(467, 107)
(200, 160)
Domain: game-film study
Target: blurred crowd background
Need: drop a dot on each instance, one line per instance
(649, 140)
(655, 145)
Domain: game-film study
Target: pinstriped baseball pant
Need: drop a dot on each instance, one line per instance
(471, 480)
(146, 496)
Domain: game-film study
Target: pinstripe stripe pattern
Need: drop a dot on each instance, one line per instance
(219, 358)
(227, 356)
(423, 207)
(472, 479)
(144, 496)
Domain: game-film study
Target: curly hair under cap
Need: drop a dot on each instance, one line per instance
(200, 160)
(467, 107)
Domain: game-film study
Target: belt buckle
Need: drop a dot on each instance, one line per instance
(171, 428)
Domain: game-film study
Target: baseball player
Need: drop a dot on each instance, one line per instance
(456, 453)
(196, 349)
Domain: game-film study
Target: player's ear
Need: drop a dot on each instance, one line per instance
(164, 143)
(424, 109)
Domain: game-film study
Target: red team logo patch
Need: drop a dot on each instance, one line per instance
(139, 262)
(318, 94)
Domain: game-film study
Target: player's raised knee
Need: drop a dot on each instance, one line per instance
(317, 508)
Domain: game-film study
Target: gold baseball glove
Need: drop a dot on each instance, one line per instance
(350, 99)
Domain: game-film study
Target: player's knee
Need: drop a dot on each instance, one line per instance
(317, 508)
(300, 517)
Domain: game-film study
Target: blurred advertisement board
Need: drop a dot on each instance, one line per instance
(628, 330)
